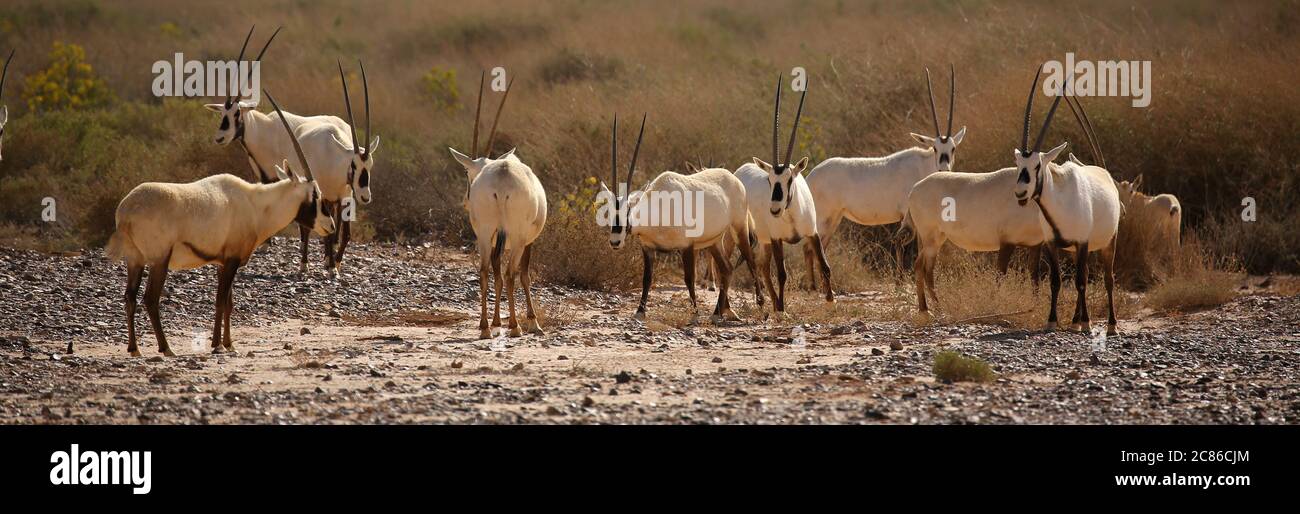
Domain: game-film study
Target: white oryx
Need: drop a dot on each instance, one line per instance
(507, 210)
(782, 207)
(720, 199)
(873, 190)
(216, 220)
(343, 168)
(4, 110)
(1163, 211)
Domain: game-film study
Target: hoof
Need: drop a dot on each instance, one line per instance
(716, 319)
(231, 348)
(639, 316)
(1075, 326)
(731, 315)
(1112, 330)
(496, 322)
(536, 329)
(134, 353)
(830, 300)
(484, 333)
(1051, 326)
(515, 332)
(218, 349)
(167, 353)
(1085, 327)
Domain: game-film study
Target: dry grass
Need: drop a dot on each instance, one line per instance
(954, 367)
(1193, 281)
(578, 62)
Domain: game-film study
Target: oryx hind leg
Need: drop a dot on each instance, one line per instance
(304, 234)
(1108, 269)
(152, 299)
(723, 310)
(133, 275)
(533, 325)
(512, 270)
(1081, 321)
(823, 266)
(688, 273)
(485, 277)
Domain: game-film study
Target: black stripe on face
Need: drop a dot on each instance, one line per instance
(777, 194)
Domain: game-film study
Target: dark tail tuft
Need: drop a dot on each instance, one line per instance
(499, 245)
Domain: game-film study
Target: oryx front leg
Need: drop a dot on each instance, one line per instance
(1108, 269)
(778, 255)
(688, 273)
(723, 312)
(1054, 277)
(647, 279)
(303, 234)
(823, 266)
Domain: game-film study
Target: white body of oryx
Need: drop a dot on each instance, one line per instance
(723, 209)
(1083, 203)
(506, 198)
(867, 190)
(985, 214)
(796, 222)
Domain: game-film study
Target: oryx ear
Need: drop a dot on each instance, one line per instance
(799, 166)
(1075, 160)
(604, 188)
(692, 167)
(925, 140)
(760, 163)
(463, 159)
(1052, 154)
(284, 172)
(510, 155)
(374, 146)
(216, 107)
(247, 104)
(4, 115)
(961, 134)
(1137, 182)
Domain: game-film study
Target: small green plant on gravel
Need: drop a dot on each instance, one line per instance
(954, 367)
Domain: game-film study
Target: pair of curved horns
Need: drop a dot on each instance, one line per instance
(776, 127)
(259, 54)
(1080, 115)
(297, 147)
(952, 100)
(347, 101)
(492, 134)
(636, 151)
(1029, 109)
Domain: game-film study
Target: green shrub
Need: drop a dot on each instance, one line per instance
(954, 367)
(442, 88)
(69, 82)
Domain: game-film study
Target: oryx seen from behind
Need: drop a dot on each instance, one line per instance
(873, 190)
(507, 210)
(780, 202)
(4, 110)
(218, 220)
(716, 193)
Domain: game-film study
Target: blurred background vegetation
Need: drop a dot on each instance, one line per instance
(84, 127)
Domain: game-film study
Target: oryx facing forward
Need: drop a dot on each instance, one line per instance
(216, 220)
(720, 199)
(507, 210)
(873, 190)
(782, 206)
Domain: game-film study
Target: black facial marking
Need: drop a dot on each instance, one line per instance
(365, 179)
(1024, 176)
(777, 194)
(225, 122)
(943, 158)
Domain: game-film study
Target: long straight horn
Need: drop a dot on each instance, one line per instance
(1092, 133)
(5, 73)
(636, 151)
(347, 102)
(241, 55)
(776, 125)
(934, 114)
(1029, 110)
(492, 134)
(268, 44)
(613, 157)
(473, 149)
(952, 95)
(297, 148)
(365, 88)
(789, 149)
(1070, 101)
(1038, 143)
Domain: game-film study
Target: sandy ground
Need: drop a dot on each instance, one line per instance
(377, 360)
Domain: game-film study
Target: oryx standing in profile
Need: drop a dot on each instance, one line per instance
(782, 206)
(873, 190)
(507, 210)
(4, 110)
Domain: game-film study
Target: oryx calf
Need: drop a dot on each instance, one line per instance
(718, 198)
(216, 220)
(507, 210)
(1163, 211)
(780, 202)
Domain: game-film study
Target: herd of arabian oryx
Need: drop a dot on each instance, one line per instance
(758, 208)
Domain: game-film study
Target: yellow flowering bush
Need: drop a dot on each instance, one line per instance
(441, 87)
(69, 82)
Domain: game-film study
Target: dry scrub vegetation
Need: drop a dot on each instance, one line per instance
(1220, 127)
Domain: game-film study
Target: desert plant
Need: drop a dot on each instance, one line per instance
(951, 366)
(68, 82)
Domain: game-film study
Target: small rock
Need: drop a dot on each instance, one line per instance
(622, 377)
(304, 331)
(896, 346)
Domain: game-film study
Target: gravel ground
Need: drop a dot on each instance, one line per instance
(393, 341)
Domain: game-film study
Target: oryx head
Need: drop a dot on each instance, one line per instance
(780, 175)
(312, 212)
(475, 162)
(944, 144)
(620, 226)
(234, 110)
(1033, 163)
(363, 157)
(4, 111)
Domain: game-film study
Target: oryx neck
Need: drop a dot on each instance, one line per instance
(278, 204)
